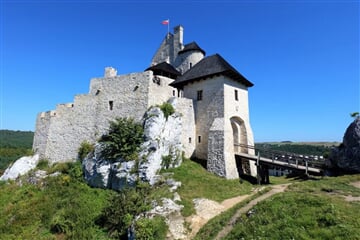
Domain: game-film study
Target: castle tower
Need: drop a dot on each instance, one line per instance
(169, 48)
(220, 95)
(190, 55)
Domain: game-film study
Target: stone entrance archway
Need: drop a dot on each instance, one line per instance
(239, 135)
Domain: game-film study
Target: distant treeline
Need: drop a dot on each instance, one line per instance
(304, 149)
(13, 145)
(16, 139)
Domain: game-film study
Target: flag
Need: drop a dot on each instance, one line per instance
(165, 22)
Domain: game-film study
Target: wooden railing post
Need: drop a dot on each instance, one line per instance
(258, 168)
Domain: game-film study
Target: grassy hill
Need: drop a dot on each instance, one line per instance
(324, 208)
(64, 207)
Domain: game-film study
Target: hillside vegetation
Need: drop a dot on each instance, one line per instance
(306, 148)
(13, 145)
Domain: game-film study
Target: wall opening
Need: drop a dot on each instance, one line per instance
(199, 95)
(239, 135)
(111, 105)
(199, 139)
(236, 95)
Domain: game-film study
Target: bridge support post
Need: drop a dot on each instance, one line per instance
(258, 169)
(307, 167)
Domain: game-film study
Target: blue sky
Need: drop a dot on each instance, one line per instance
(302, 56)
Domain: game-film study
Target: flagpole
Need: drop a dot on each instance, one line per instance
(168, 26)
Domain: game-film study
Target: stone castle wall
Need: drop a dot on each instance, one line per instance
(211, 106)
(59, 133)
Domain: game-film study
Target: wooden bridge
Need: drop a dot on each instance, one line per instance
(266, 159)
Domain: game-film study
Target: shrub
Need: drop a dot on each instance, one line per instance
(166, 161)
(123, 140)
(42, 164)
(85, 149)
(122, 209)
(167, 109)
(151, 229)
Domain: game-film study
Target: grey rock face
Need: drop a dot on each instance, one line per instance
(20, 167)
(162, 149)
(103, 173)
(347, 156)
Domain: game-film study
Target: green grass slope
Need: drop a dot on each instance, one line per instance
(313, 209)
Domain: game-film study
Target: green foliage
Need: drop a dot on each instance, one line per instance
(52, 210)
(16, 139)
(85, 149)
(119, 215)
(151, 229)
(167, 109)
(123, 140)
(304, 149)
(13, 145)
(197, 182)
(9, 155)
(43, 164)
(166, 161)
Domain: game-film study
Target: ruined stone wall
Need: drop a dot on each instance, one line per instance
(59, 133)
(72, 124)
(120, 96)
(159, 89)
(43, 122)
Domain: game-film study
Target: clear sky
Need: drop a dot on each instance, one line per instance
(302, 56)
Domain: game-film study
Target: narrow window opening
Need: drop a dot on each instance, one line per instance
(190, 65)
(199, 139)
(111, 105)
(199, 95)
(189, 139)
(174, 93)
(236, 95)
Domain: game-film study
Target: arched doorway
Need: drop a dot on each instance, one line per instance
(239, 135)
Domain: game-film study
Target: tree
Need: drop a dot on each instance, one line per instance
(123, 140)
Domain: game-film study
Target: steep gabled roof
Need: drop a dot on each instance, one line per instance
(164, 69)
(192, 47)
(208, 67)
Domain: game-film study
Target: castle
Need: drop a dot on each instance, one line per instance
(212, 98)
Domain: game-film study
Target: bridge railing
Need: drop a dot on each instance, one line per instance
(287, 157)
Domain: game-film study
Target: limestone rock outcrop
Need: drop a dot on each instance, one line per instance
(346, 157)
(20, 167)
(162, 149)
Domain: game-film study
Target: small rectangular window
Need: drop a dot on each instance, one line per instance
(111, 105)
(199, 139)
(236, 95)
(174, 93)
(199, 95)
(190, 140)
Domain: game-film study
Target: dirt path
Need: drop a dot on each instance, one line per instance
(356, 184)
(207, 209)
(275, 189)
